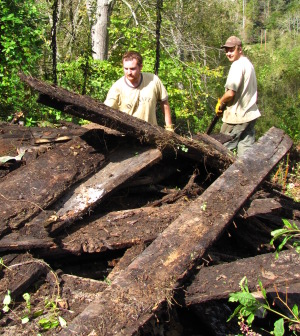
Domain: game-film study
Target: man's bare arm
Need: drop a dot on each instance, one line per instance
(167, 112)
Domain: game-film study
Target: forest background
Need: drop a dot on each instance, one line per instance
(78, 45)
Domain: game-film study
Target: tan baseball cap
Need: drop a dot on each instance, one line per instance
(232, 41)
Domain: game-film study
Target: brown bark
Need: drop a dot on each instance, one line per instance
(149, 281)
(217, 282)
(206, 149)
(30, 189)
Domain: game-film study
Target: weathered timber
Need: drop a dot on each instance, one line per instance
(217, 282)
(32, 141)
(20, 273)
(214, 313)
(15, 241)
(30, 236)
(124, 163)
(113, 231)
(119, 229)
(273, 206)
(36, 134)
(206, 149)
(139, 292)
(126, 260)
(31, 188)
(79, 292)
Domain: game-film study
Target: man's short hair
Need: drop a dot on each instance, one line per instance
(131, 55)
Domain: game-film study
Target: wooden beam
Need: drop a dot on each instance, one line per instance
(138, 293)
(30, 189)
(217, 282)
(119, 229)
(206, 149)
(20, 273)
(124, 164)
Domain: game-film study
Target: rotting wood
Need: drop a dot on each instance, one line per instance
(273, 206)
(149, 281)
(128, 257)
(32, 235)
(113, 231)
(124, 164)
(31, 188)
(119, 229)
(16, 139)
(16, 241)
(170, 198)
(217, 282)
(214, 313)
(34, 134)
(80, 291)
(206, 149)
(19, 274)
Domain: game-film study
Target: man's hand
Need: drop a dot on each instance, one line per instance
(169, 128)
(220, 107)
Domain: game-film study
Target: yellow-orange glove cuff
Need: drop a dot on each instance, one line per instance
(220, 107)
(217, 109)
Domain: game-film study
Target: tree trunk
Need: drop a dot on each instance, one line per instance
(99, 18)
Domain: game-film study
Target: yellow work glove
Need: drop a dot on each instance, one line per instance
(169, 128)
(220, 107)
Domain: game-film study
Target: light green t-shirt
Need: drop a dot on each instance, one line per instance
(139, 102)
(242, 80)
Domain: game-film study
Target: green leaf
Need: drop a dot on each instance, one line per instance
(38, 313)
(279, 327)
(295, 310)
(263, 291)
(47, 324)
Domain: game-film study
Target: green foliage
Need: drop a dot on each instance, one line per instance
(290, 232)
(50, 312)
(249, 307)
(278, 87)
(190, 58)
(20, 42)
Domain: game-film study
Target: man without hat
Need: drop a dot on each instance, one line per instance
(238, 104)
(137, 92)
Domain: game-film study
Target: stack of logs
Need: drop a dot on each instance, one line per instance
(171, 224)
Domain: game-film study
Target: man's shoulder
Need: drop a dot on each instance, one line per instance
(120, 81)
(150, 76)
(242, 64)
(242, 61)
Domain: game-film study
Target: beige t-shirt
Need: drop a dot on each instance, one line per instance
(139, 102)
(242, 80)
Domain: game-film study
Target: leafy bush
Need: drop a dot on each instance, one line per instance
(20, 43)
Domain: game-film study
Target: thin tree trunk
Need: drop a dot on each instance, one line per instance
(99, 16)
(53, 40)
(159, 5)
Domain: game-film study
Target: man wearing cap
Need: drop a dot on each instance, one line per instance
(238, 104)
